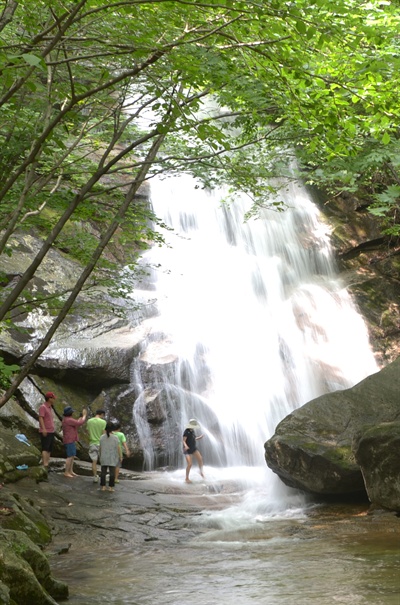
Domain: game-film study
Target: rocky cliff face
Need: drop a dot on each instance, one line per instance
(91, 361)
(369, 264)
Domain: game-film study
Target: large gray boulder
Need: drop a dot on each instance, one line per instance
(93, 358)
(312, 448)
(377, 452)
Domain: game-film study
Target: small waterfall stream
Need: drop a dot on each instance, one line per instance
(256, 314)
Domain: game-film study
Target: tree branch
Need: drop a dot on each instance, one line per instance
(8, 13)
(86, 273)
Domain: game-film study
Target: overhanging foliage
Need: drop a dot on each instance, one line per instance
(98, 97)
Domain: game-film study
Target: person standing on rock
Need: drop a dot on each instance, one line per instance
(96, 427)
(46, 428)
(123, 445)
(190, 447)
(110, 455)
(70, 436)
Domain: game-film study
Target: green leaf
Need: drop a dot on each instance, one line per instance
(301, 27)
(32, 60)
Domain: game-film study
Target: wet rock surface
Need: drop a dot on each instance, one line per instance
(147, 508)
(140, 510)
(60, 515)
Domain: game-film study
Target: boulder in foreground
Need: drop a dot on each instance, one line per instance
(312, 448)
(377, 452)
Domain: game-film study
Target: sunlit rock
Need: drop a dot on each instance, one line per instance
(159, 362)
(102, 360)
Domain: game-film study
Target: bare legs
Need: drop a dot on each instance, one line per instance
(94, 456)
(199, 459)
(45, 458)
(69, 467)
(189, 462)
(188, 466)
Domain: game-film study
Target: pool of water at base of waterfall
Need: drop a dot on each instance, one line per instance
(253, 569)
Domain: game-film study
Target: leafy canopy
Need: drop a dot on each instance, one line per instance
(98, 97)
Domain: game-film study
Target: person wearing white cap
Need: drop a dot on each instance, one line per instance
(190, 447)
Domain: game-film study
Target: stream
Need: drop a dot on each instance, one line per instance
(239, 549)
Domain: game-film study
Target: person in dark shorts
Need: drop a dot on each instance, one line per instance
(190, 447)
(46, 428)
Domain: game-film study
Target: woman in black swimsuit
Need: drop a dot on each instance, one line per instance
(190, 447)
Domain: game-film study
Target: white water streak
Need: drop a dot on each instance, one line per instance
(263, 301)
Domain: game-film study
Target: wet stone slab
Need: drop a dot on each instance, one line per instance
(140, 509)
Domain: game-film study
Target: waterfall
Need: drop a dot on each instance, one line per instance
(254, 315)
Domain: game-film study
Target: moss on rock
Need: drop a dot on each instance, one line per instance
(25, 571)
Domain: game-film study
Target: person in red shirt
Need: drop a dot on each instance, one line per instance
(70, 436)
(46, 428)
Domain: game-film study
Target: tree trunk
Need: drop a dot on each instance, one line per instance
(8, 13)
(30, 271)
(87, 271)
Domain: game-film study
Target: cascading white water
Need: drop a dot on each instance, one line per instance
(261, 325)
(256, 314)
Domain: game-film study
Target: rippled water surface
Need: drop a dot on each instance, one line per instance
(323, 557)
